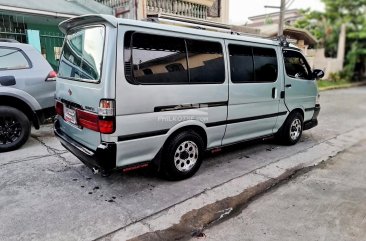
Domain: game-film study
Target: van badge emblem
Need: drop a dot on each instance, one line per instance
(70, 92)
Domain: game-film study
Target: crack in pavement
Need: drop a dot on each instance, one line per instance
(53, 151)
(29, 159)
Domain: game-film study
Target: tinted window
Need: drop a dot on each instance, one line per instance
(296, 65)
(206, 62)
(265, 64)
(11, 58)
(82, 54)
(158, 59)
(241, 63)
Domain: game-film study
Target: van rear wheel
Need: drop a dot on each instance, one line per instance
(182, 156)
(14, 128)
(292, 129)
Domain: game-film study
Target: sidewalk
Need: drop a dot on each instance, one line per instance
(328, 203)
(193, 216)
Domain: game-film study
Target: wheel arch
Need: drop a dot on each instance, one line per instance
(192, 125)
(299, 110)
(18, 103)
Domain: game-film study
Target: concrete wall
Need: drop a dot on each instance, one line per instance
(318, 60)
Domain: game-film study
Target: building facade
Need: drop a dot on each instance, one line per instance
(212, 10)
(36, 22)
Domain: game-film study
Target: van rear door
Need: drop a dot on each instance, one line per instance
(83, 81)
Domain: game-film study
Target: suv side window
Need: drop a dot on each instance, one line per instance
(12, 58)
(296, 65)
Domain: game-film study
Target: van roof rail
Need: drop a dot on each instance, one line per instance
(283, 41)
(189, 22)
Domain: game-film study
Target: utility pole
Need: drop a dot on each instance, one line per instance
(282, 16)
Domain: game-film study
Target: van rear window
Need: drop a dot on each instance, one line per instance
(81, 57)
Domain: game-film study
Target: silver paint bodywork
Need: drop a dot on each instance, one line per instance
(135, 103)
(30, 83)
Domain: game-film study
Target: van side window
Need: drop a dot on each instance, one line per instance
(265, 64)
(296, 65)
(241, 63)
(158, 59)
(206, 62)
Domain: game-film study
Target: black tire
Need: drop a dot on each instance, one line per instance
(293, 124)
(15, 128)
(188, 159)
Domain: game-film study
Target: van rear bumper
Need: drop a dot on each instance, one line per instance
(314, 120)
(103, 158)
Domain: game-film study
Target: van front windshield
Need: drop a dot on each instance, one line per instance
(81, 57)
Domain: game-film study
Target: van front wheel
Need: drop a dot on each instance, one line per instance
(292, 129)
(182, 156)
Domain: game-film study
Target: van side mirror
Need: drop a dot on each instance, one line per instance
(318, 73)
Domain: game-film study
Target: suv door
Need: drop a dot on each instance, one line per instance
(300, 87)
(27, 71)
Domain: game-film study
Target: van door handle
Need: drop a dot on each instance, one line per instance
(288, 86)
(274, 93)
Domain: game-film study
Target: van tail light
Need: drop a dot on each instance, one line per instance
(103, 122)
(88, 120)
(106, 108)
(52, 76)
(106, 124)
(59, 108)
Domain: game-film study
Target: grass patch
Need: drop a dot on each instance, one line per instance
(322, 84)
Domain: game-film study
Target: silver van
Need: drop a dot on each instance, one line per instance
(133, 93)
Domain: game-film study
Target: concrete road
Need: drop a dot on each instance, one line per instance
(327, 203)
(47, 194)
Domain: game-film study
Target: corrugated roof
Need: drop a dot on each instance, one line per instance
(272, 30)
(71, 7)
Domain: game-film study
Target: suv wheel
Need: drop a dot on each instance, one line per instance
(182, 156)
(14, 128)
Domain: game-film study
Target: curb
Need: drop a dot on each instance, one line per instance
(193, 215)
(345, 86)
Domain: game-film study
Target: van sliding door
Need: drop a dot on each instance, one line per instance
(253, 91)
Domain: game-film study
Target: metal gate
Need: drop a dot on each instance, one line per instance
(16, 28)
